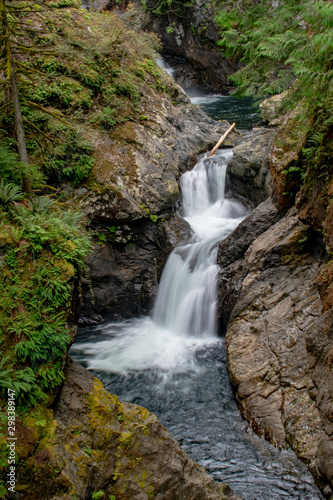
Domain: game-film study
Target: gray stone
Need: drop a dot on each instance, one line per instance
(124, 272)
(249, 169)
(257, 222)
(279, 336)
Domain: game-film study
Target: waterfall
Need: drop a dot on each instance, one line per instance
(165, 66)
(186, 299)
(184, 315)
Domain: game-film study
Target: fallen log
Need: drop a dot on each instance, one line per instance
(221, 140)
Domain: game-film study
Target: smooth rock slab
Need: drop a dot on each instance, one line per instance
(249, 171)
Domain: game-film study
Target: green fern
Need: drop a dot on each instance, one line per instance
(40, 204)
(9, 162)
(9, 192)
(20, 381)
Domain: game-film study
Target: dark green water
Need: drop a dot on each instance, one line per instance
(224, 107)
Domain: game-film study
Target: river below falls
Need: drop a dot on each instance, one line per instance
(173, 363)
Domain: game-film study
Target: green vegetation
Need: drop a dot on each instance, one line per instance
(97, 495)
(278, 44)
(168, 7)
(286, 47)
(43, 248)
(78, 78)
(75, 73)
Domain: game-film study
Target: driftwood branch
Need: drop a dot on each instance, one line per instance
(221, 140)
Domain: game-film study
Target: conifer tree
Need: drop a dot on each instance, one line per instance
(16, 72)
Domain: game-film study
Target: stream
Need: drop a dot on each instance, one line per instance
(174, 364)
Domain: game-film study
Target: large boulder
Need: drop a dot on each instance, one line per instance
(94, 443)
(232, 249)
(137, 166)
(249, 171)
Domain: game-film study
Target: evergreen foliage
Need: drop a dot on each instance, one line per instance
(76, 72)
(290, 44)
(168, 7)
(286, 46)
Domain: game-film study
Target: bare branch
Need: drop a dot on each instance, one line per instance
(39, 130)
(30, 103)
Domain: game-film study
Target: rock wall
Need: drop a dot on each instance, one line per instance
(124, 272)
(275, 306)
(188, 41)
(191, 48)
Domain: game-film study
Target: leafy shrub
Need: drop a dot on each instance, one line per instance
(286, 46)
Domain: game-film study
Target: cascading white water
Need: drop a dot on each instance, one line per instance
(186, 299)
(164, 65)
(184, 315)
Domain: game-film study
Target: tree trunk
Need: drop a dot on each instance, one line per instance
(221, 140)
(22, 147)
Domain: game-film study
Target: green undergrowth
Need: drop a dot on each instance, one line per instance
(42, 251)
(286, 46)
(89, 71)
(178, 8)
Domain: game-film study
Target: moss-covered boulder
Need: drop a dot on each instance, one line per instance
(94, 443)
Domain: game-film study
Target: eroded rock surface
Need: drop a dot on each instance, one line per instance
(97, 443)
(279, 335)
(249, 171)
(124, 272)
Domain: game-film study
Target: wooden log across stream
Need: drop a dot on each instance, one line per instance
(221, 140)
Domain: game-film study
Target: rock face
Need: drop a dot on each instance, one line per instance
(191, 47)
(249, 172)
(124, 272)
(279, 334)
(189, 41)
(98, 444)
(233, 248)
(137, 167)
